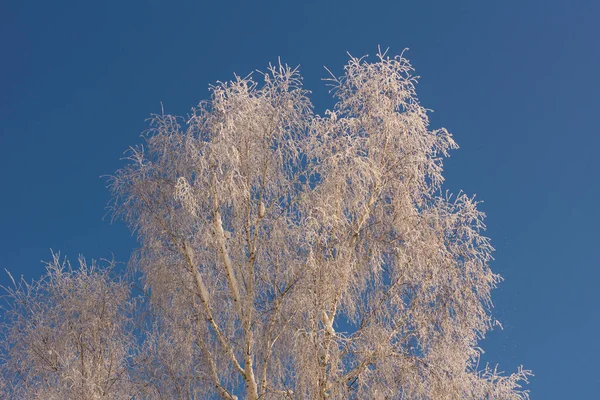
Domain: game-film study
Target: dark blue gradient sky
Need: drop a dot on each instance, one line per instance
(516, 82)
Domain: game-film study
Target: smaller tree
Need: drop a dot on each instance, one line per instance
(67, 335)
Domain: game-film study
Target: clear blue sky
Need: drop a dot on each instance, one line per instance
(516, 82)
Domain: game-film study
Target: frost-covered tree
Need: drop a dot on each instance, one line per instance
(67, 336)
(288, 255)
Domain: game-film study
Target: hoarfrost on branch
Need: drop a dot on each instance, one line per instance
(289, 255)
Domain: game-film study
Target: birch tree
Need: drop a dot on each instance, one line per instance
(292, 255)
(67, 336)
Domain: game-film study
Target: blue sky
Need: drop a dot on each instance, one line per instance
(514, 81)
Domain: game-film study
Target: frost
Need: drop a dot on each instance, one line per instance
(330, 267)
(287, 255)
